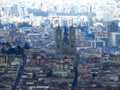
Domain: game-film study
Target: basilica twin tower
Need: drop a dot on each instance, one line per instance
(65, 40)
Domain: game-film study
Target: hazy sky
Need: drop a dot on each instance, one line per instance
(58, 2)
(61, 1)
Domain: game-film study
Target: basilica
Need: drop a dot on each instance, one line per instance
(65, 40)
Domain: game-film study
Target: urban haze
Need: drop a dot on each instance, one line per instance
(59, 44)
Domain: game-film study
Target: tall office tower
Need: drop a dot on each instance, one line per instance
(113, 26)
(115, 39)
(58, 40)
(90, 17)
(66, 41)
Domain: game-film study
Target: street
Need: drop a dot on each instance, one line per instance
(75, 73)
(20, 72)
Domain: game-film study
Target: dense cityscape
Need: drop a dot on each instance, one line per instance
(59, 45)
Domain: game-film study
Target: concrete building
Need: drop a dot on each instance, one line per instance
(95, 44)
(115, 39)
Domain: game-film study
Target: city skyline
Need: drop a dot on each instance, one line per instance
(59, 45)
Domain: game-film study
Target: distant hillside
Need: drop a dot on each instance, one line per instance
(38, 12)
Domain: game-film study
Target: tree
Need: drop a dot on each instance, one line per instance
(11, 51)
(34, 74)
(24, 24)
(50, 72)
(94, 75)
(19, 50)
(1, 26)
(27, 46)
(3, 50)
(7, 44)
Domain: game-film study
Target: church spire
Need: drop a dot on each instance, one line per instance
(65, 34)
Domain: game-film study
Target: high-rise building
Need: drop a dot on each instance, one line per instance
(90, 17)
(115, 39)
(113, 26)
(65, 41)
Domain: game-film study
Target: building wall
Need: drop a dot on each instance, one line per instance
(115, 39)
